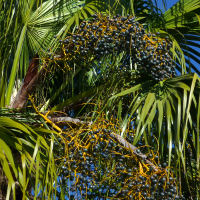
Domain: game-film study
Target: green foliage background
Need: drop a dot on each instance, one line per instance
(169, 109)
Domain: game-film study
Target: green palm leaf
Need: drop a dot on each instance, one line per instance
(182, 22)
(34, 153)
(167, 105)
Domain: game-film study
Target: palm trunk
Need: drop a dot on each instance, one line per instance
(22, 95)
(30, 81)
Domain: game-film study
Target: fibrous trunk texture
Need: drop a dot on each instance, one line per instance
(28, 85)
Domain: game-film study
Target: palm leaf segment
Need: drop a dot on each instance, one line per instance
(167, 107)
(24, 152)
(182, 23)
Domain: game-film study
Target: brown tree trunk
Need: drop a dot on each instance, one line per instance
(30, 81)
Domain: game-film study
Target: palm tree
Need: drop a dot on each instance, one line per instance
(28, 27)
(167, 111)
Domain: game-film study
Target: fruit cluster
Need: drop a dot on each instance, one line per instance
(96, 166)
(101, 36)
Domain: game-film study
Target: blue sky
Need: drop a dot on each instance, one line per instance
(169, 3)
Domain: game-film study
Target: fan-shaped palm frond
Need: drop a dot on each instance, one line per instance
(37, 24)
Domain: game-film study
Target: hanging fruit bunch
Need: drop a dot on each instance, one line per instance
(96, 165)
(101, 36)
